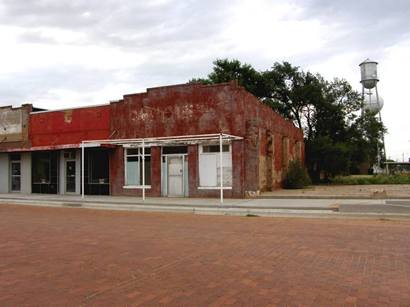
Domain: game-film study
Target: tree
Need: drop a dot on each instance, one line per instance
(227, 70)
(365, 137)
(337, 138)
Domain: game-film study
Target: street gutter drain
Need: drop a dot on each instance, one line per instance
(251, 215)
(72, 205)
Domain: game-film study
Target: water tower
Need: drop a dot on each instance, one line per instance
(371, 101)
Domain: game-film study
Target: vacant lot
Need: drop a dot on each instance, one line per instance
(77, 257)
(348, 191)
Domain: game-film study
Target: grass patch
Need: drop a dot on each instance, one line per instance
(371, 179)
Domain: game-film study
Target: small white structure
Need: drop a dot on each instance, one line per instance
(372, 104)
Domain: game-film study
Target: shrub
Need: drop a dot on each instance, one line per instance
(296, 176)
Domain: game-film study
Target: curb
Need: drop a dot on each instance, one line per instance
(330, 197)
(244, 212)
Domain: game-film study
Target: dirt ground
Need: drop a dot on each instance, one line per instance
(348, 191)
(80, 257)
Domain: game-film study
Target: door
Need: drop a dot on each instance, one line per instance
(15, 176)
(70, 177)
(175, 176)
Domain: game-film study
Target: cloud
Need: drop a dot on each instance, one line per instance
(75, 52)
(32, 84)
(125, 24)
(362, 25)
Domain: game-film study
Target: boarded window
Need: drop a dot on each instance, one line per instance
(298, 150)
(285, 152)
(209, 166)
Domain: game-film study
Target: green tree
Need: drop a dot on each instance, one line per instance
(337, 138)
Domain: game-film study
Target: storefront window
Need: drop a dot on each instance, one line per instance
(98, 166)
(45, 172)
(133, 166)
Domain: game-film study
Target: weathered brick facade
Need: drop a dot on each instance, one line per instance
(258, 160)
(69, 126)
(15, 127)
(193, 109)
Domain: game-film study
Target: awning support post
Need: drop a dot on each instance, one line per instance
(221, 169)
(143, 169)
(82, 170)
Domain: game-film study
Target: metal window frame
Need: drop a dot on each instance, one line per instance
(11, 162)
(139, 156)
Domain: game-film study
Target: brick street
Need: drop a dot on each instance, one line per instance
(80, 257)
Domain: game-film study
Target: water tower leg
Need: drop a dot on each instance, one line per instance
(362, 100)
(380, 118)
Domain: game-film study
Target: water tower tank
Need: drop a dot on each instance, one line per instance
(370, 104)
(368, 70)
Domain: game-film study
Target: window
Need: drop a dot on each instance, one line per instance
(298, 150)
(69, 154)
(209, 166)
(15, 157)
(98, 164)
(15, 172)
(44, 170)
(169, 150)
(285, 152)
(214, 148)
(133, 166)
(97, 171)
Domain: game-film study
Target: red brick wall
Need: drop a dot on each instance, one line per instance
(70, 126)
(261, 122)
(197, 109)
(180, 110)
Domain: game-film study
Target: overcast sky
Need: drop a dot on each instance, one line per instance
(63, 53)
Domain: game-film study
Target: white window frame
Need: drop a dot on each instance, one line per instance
(11, 162)
(139, 156)
(201, 152)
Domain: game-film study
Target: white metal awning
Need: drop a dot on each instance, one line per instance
(161, 141)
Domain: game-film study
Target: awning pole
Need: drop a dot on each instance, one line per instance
(143, 169)
(82, 170)
(221, 169)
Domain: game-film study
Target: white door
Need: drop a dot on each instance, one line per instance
(175, 176)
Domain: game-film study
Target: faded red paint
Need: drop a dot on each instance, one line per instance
(192, 109)
(70, 126)
(188, 109)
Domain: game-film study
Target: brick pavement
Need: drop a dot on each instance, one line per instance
(79, 257)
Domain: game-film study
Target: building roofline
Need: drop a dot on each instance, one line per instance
(19, 107)
(233, 82)
(68, 109)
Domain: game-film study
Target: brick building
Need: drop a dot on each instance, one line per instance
(164, 142)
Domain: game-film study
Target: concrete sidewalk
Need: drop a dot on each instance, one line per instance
(380, 191)
(243, 207)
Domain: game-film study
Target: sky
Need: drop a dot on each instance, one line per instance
(66, 53)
